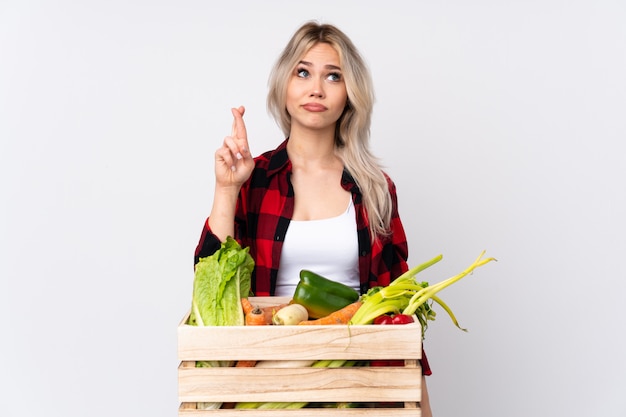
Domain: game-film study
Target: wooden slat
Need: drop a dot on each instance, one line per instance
(299, 342)
(306, 412)
(385, 384)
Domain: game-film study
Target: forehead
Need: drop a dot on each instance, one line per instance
(322, 54)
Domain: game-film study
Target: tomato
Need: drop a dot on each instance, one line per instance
(401, 319)
(384, 319)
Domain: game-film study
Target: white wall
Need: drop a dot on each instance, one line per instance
(502, 123)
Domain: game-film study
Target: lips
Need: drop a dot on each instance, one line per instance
(314, 107)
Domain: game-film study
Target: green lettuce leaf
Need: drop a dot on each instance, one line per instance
(220, 281)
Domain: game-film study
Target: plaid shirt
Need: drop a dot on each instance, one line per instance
(263, 213)
(264, 210)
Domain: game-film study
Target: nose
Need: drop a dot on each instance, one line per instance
(317, 88)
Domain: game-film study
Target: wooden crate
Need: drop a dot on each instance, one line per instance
(377, 386)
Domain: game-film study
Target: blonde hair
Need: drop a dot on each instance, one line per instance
(352, 133)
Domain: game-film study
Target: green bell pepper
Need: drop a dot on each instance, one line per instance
(322, 296)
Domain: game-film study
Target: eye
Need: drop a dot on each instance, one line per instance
(334, 76)
(302, 72)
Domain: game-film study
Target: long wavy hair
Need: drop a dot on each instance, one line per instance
(352, 132)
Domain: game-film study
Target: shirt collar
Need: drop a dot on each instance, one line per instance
(278, 159)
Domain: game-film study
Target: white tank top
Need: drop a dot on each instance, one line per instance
(328, 247)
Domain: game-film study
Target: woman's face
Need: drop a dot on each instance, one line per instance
(316, 91)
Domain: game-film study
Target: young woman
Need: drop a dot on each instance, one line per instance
(320, 200)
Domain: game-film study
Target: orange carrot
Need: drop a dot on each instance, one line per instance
(256, 317)
(245, 364)
(270, 311)
(267, 312)
(247, 305)
(342, 316)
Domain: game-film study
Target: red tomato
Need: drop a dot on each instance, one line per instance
(401, 319)
(384, 319)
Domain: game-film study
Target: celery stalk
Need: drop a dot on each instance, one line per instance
(405, 294)
(448, 310)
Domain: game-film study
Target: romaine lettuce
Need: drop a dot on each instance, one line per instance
(220, 281)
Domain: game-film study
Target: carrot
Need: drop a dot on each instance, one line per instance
(256, 317)
(267, 312)
(270, 311)
(245, 364)
(247, 305)
(341, 316)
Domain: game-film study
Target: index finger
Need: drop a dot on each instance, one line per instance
(239, 127)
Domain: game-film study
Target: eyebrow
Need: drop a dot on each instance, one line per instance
(328, 66)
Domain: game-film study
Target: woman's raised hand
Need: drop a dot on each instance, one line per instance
(233, 161)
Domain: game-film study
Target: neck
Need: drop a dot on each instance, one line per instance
(311, 146)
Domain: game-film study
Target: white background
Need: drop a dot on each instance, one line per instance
(502, 124)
